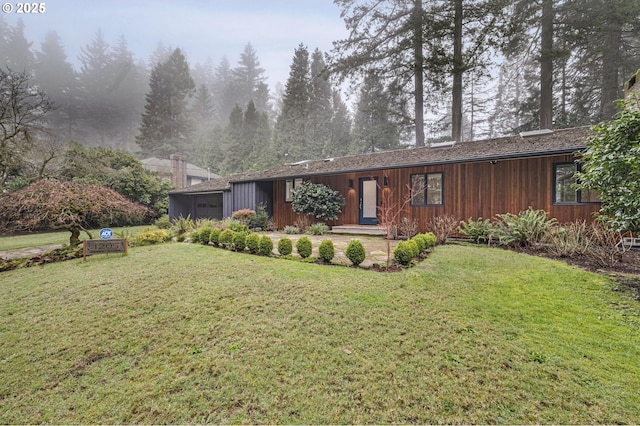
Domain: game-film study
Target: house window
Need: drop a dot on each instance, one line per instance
(426, 189)
(289, 186)
(565, 189)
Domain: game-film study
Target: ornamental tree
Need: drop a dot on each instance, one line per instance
(611, 166)
(317, 200)
(50, 204)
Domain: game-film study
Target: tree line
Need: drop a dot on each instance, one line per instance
(416, 71)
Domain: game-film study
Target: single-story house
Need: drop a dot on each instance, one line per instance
(467, 180)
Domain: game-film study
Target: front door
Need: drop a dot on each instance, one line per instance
(368, 201)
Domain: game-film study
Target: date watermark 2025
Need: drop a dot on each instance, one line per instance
(24, 8)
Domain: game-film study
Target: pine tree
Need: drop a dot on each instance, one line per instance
(18, 54)
(373, 127)
(292, 139)
(55, 75)
(166, 127)
(320, 110)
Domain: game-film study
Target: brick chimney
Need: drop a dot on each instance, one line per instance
(178, 170)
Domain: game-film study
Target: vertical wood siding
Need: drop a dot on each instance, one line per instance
(470, 190)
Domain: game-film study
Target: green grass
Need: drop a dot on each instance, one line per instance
(184, 333)
(58, 237)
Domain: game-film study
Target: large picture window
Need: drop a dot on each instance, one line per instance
(565, 189)
(426, 189)
(289, 186)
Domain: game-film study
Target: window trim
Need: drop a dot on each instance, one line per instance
(294, 182)
(577, 190)
(426, 189)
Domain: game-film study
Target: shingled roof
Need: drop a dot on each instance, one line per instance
(533, 145)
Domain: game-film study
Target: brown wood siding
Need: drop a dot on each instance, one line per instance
(470, 190)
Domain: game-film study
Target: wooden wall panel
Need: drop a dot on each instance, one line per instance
(471, 190)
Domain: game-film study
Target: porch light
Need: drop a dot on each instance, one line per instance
(386, 181)
(350, 183)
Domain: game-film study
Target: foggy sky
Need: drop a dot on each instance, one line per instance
(202, 29)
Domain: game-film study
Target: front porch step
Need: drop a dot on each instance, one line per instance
(359, 230)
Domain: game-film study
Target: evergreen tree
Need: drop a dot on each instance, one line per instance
(292, 139)
(320, 109)
(166, 127)
(373, 127)
(18, 54)
(248, 80)
(55, 75)
(340, 142)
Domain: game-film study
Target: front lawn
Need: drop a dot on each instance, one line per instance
(183, 333)
(58, 237)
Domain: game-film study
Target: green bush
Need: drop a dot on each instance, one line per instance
(201, 235)
(304, 247)
(239, 241)
(403, 253)
(355, 252)
(317, 200)
(421, 242)
(253, 243)
(226, 238)
(260, 220)
(285, 246)
(326, 251)
(163, 222)
(415, 250)
(318, 229)
(266, 245)
(150, 236)
(289, 229)
(525, 229)
(214, 236)
(479, 231)
(430, 239)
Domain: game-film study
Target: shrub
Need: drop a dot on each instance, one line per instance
(239, 241)
(304, 247)
(415, 250)
(214, 236)
(183, 224)
(479, 231)
(291, 230)
(285, 246)
(318, 200)
(568, 240)
(525, 229)
(403, 253)
(355, 252)
(407, 228)
(430, 239)
(226, 238)
(201, 236)
(266, 245)
(326, 251)
(253, 243)
(150, 236)
(244, 216)
(318, 229)
(163, 222)
(421, 242)
(605, 249)
(443, 227)
(260, 220)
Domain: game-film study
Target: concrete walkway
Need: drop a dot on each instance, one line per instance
(27, 252)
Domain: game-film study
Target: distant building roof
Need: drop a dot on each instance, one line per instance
(163, 166)
(508, 147)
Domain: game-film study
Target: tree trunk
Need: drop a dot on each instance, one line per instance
(546, 66)
(419, 72)
(456, 103)
(610, 65)
(74, 240)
